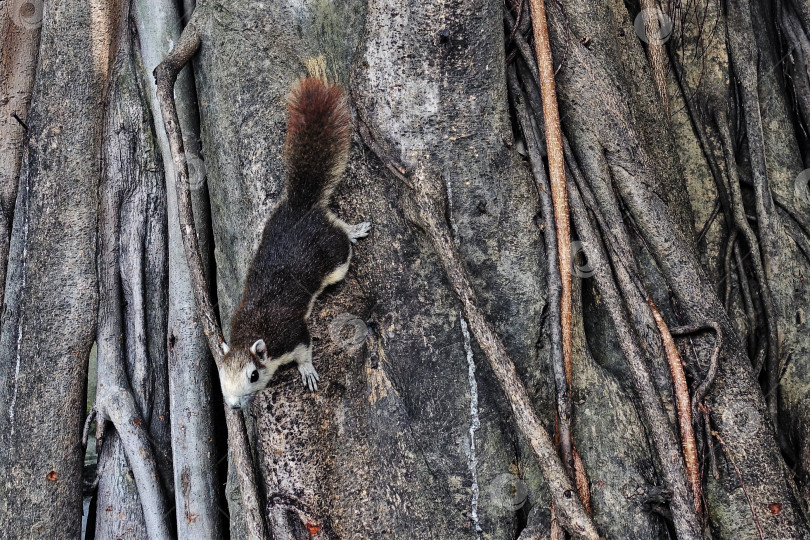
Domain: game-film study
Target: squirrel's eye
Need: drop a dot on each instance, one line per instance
(254, 376)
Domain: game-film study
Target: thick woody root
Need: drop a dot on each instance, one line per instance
(682, 404)
(569, 508)
(562, 227)
(556, 166)
(165, 77)
(562, 372)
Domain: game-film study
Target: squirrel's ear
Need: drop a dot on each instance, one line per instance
(259, 349)
(225, 348)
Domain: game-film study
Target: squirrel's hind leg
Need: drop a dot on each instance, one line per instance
(337, 274)
(353, 232)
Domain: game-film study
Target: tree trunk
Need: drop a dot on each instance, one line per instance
(192, 386)
(19, 46)
(684, 155)
(133, 310)
(49, 314)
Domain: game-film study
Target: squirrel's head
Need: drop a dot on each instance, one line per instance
(243, 373)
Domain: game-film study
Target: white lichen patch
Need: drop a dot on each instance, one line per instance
(475, 423)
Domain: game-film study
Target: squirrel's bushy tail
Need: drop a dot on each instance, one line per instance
(318, 136)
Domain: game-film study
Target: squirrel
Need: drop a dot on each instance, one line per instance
(304, 248)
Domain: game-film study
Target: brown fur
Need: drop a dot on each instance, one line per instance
(301, 246)
(318, 137)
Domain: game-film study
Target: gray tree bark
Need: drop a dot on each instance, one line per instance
(49, 315)
(192, 386)
(493, 209)
(395, 434)
(385, 91)
(132, 398)
(19, 46)
(693, 197)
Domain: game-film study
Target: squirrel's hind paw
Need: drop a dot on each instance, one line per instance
(360, 230)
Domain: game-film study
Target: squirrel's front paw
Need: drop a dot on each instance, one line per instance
(360, 230)
(309, 376)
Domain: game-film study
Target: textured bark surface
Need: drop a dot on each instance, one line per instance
(647, 178)
(377, 417)
(243, 156)
(19, 46)
(50, 305)
(192, 384)
(685, 184)
(415, 376)
(440, 57)
(133, 307)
